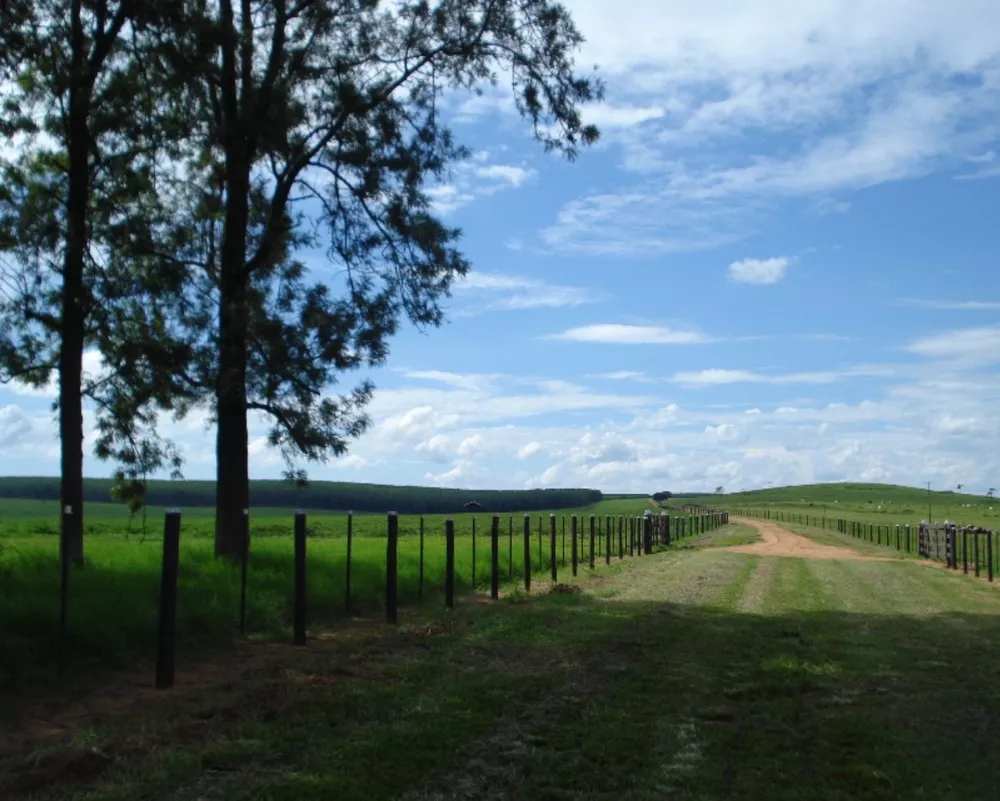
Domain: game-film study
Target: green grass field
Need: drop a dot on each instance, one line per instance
(697, 673)
(114, 596)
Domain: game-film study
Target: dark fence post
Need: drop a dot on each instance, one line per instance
(168, 600)
(391, 570)
(573, 546)
(989, 554)
(592, 536)
(975, 545)
(539, 541)
(647, 533)
(495, 558)
(350, 538)
(449, 564)
(473, 553)
(607, 544)
(563, 526)
(244, 564)
(420, 579)
(621, 539)
(527, 553)
(299, 615)
(552, 549)
(965, 551)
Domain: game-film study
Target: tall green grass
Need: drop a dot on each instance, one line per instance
(114, 595)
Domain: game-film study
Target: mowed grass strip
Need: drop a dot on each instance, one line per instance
(845, 680)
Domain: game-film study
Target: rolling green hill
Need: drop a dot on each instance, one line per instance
(889, 503)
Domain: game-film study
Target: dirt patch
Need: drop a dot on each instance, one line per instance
(779, 542)
(565, 589)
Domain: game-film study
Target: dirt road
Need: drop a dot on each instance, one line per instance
(779, 542)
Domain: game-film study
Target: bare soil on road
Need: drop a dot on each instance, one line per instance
(779, 542)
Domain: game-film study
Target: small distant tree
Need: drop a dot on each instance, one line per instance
(660, 497)
(991, 492)
(720, 490)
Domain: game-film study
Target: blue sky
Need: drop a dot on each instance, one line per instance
(779, 266)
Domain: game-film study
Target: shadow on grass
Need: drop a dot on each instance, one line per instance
(565, 696)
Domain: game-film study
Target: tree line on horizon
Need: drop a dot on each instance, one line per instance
(335, 496)
(171, 166)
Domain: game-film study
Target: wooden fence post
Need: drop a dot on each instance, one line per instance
(965, 551)
(989, 554)
(391, 569)
(166, 635)
(449, 564)
(527, 553)
(473, 553)
(299, 616)
(495, 558)
(621, 539)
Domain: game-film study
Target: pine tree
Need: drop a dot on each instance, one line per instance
(316, 124)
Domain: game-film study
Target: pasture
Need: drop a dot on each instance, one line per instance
(711, 671)
(113, 598)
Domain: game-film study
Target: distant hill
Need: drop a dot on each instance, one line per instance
(330, 495)
(842, 492)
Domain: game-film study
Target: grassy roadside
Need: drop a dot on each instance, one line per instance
(693, 674)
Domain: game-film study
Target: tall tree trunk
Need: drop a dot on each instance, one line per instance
(72, 339)
(232, 493)
(232, 462)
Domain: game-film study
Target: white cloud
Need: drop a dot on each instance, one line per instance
(529, 450)
(715, 377)
(631, 335)
(498, 291)
(508, 173)
(782, 100)
(966, 346)
(606, 116)
(758, 271)
(472, 446)
(14, 426)
(624, 375)
(954, 305)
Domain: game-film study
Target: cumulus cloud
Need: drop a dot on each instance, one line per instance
(758, 271)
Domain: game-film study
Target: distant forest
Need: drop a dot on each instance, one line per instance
(331, 495)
